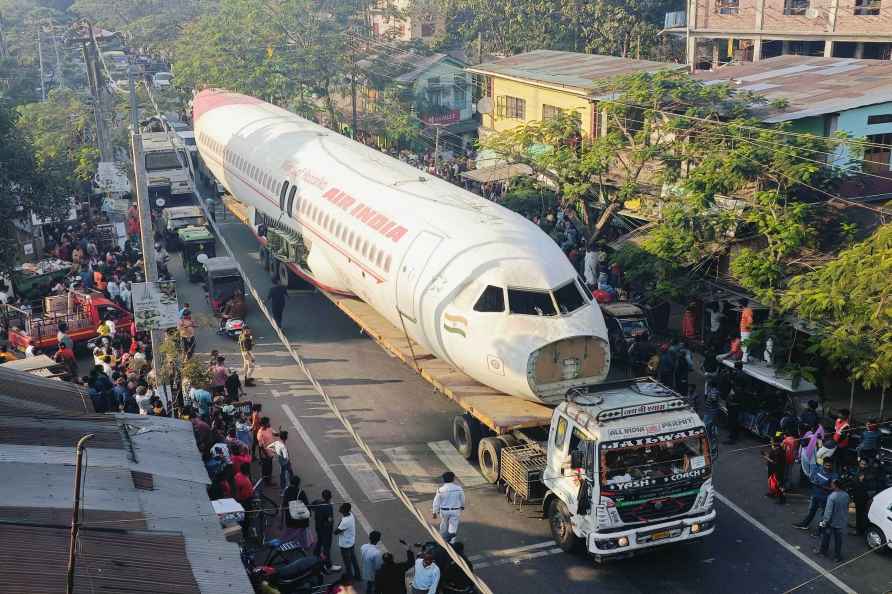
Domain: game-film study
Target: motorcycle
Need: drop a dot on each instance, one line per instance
(302, 576)
(232, 328)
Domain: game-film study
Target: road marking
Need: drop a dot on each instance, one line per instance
(802, 556)
(464, 472)
(509, 552)
(337, 484)
(365, 476)
(519, 558)
(420, 480)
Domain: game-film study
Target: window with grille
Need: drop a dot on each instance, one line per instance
(727, 6)
(550, 112)
(877, 154)
(885, 118)
(796, 7)
(511, 107)
(867, 7)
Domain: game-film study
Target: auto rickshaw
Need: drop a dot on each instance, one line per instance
(196, 242)
(176, 218)
(222, 280)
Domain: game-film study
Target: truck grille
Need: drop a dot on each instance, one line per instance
(659, 507)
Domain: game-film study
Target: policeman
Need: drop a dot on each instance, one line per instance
(449, 502)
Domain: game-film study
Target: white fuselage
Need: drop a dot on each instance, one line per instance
(417, 249)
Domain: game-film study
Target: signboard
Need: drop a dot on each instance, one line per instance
(641, 409)
(653, 439)
(450, 117)
(661, 481)
(155, 305)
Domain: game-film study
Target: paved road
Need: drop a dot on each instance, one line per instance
(408, 426)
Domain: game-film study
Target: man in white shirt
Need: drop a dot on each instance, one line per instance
(449, 502)
(590, 267)
(346, 532)
(427, 574)
(125, 295)
(372, 560)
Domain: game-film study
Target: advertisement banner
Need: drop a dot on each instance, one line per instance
(155, 305)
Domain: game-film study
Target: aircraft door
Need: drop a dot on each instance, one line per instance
(411, 269)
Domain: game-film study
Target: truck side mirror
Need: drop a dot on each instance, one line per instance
(577, 459)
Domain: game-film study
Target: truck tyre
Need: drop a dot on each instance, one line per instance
(465, 435)
(509, 441)
(264, 258)
(489, 454)
(562, 527)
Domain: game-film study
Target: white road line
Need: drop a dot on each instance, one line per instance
(365, 476)
(802, 556)
(519, 558)
(420, 480)
(509, 552)
(335, 482)
(449, 456)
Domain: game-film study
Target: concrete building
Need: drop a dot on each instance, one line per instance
(537, 85)
(751, 30)
(405, 20)
(823, 96)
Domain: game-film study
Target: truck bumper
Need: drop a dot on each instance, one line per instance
(624, 543)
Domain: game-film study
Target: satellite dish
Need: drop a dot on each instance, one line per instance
(202, 258)
(484, 105)
(160, 202)
(812, 13)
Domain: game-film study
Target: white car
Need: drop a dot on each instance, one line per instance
(162, 80)
(879, 532)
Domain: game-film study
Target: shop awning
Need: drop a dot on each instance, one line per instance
(497, 173)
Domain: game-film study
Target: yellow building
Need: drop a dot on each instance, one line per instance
(537, 85)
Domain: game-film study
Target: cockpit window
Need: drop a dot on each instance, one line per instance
(568, 298)
(492, 300)
(585, 288)
(531, 303)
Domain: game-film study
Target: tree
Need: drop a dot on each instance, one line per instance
(23, 187)
(626, 28)
(849, 300)
(60, 131)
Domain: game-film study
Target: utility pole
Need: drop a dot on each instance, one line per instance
(437, 146)
(40, 57)
(59, 80)
(76, 512)
(91, 53)
(2, 38)
(146, 232)
(353, 92)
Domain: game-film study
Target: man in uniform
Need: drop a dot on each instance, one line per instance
(449, 502)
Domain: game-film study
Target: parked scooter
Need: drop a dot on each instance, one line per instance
(232, 328)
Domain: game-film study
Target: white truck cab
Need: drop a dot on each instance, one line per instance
(628, 468)
(167, 170)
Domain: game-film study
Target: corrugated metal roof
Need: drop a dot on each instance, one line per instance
(60, 432)
(107, 561)
(164, 447)
(61, 516)
(582, 73)
(812, 86)
(25, 393)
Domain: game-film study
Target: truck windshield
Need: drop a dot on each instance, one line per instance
(632, 326)
(186, 222)
(654, 460)
(158, 160)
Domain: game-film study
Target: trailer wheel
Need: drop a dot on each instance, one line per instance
(508, 440)
(489, 454)
(465, 435)
(562, 527)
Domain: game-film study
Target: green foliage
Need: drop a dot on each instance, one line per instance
(612, 27)
(849, 302)
(60, 130)
(24, 186)
(654, 278)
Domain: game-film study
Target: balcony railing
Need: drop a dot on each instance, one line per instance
(675, 20)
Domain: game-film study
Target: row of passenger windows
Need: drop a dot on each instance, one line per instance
(565, 299)
(287, 195)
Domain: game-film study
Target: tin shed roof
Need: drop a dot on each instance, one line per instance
(580, 73)
(23, 393)
(810, 86)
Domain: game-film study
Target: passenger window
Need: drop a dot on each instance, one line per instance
(491, 300)
(568, 298)
(373, 253)
(291, 199)
(530, 303)
(379, 259)
(560, 433)
(387, 264)
(282, 195)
